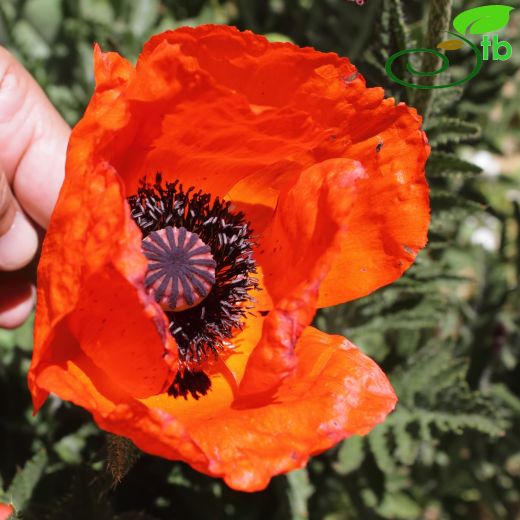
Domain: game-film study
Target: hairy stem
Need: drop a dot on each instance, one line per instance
(439, 16)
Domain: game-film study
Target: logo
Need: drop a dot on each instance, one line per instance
(480, 20)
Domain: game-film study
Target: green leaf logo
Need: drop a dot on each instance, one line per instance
(481, 20)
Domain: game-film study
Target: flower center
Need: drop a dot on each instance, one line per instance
(200, 270)
(181, 269)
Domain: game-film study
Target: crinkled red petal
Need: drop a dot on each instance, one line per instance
(335, 392)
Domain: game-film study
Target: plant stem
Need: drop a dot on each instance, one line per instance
(439, 16)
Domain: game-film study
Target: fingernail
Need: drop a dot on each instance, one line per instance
(18, 246)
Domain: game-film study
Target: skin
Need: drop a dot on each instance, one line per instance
(33, 143)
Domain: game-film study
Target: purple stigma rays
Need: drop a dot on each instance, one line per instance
(181, 269)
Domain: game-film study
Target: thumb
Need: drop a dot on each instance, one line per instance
(33, 140)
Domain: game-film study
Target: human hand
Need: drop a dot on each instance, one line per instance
(33, 143)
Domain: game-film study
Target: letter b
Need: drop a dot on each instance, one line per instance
(496, 49)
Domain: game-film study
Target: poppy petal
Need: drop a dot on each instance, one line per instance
(297, 251)
(335, 392)
(111, 71)
(388, 224)
(331, 177)
(6, 511)
(91, 264)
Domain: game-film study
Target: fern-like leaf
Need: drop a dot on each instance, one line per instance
(24, 482)
(444, 130)
(442, 164)
(350, 455)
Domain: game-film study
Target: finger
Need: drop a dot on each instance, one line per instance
(33, 140)
(18, 238)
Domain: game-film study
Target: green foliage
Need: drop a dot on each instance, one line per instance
(437, 331)
(299, 492)
(447, 333)
(21, 489)
(85, 499)
(350, 456)
(21, 338)
(444, 130)
(442, 164)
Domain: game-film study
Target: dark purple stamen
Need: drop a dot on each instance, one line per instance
(178, 228)
(196, 383)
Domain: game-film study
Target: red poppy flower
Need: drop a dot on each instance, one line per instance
(283, 179)
(6, 511)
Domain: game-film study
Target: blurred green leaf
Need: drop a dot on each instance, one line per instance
(25, 480)
(69, 448)
(300, 490)
(21, 337)
(350, 455)
(444, 130)
(45, 16)
(98, 11)
(399, 506)
(442, 164)
(86, 499)
(144, 15)
(276, 37)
